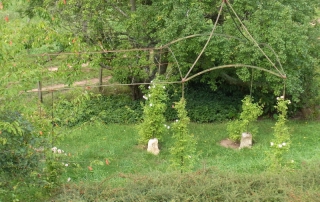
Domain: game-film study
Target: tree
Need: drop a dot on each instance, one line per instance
(280, 28)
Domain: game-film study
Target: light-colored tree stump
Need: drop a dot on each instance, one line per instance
(246, 140)
(153, 146)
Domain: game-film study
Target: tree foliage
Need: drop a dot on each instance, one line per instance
(281, 29)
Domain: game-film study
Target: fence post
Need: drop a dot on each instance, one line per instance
(40, 92)
(100, 79)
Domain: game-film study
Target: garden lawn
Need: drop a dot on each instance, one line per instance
(96, 151)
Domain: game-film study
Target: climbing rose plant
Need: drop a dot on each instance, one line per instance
(153, 122)
(280, 144)
(184, 149)
(250, 113)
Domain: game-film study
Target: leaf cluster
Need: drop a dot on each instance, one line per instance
(250, 113)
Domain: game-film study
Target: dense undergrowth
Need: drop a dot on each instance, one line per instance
(201, 106)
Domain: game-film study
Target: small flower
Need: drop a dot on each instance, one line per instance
(282, 97)
(292, 161)
(69, 179)
(168, 127)
(150, 104)
(149, 95)
(177, 120)
(289, 102)
(284, 144)
(149, 87)
(163, 87)
(54, 149)
(271, 144)
(280, 145)
(59, 151)
(66, 165)
(145, 97)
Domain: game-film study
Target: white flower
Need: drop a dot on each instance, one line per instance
(284, 144)
(152, 81)
(149, 95)
(59, 151)
(168, 127)
(54, 149)
(282, 97)
(165, 125)
(163, 87)
(149, 87)
(177, 120)
(280, 145)
(289, 102)
(145, 97)
(69, 179)
(150, 104)
(278, 98)
(292, 161)
(271, 144)
(66, 165)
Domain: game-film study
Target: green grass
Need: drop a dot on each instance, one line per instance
(222, 173)
(91, 143)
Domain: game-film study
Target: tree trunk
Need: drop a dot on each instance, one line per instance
(136, 92)
(133, 5)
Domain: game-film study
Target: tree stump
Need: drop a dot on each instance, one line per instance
(153, 146)
(246, 140)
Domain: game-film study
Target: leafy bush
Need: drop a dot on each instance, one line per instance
(88, 106)
(203, 106)
(281, 141)
(183, 151)
(153, 113)
(206, 106)
(18, 141)
(250, 113)
(20, 156)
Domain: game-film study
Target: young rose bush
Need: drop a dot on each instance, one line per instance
(184, 148)
(153, 117)
(280, 144)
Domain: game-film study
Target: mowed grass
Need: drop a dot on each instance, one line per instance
(90, 145)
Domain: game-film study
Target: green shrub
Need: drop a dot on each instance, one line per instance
(184, 147)
(153, 122)
(19, 156)
(88, 106)
(250, 113)
(18, 141)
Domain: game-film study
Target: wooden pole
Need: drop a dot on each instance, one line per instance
(40, 92)
(100, 79)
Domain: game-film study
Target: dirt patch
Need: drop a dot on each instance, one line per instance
(229, 144)
(78, 83)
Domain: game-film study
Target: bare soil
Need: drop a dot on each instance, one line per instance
(229, 144)
(78, 83)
